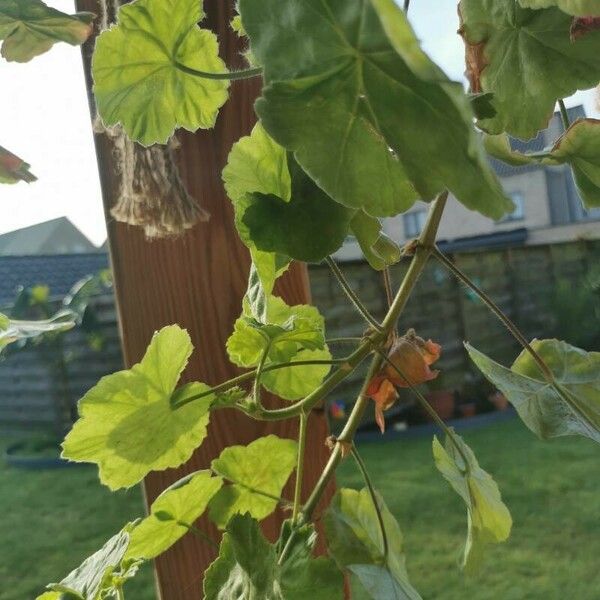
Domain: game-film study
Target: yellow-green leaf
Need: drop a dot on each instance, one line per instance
(257, 164)
(489, 520)
(30, 28)
(127, 425)
(257, 473)
(172, 514)
(98, 576)
(141, 70)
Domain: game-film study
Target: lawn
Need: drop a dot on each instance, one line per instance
(52, 519)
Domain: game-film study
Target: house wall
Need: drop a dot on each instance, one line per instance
(459, 221)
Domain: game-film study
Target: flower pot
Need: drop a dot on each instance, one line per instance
(499, 400)
(468, 410)
(442, 401)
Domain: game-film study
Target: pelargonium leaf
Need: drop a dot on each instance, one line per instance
(343, 95)
(546, 412)
(99, 575)
(127, 425)
(308, 227)
(579, 147)
(356, 543)
(30, 28)
(141, 70)
(488, 518)
(508, 49)
(379, 250)
(13, 330)
(248, 567)
(580, 8)
(257, 473)
(257, 164)
(14, 169)
(297, 382)
(172, 514)
(292, 333)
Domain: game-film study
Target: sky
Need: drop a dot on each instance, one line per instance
(44, 119)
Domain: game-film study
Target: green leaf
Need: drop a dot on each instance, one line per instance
(256, 297)
(488, 518)
(539, 405)
(14, 169)
(580, 8)
(482, 105)
(579, 147)
(293, 333)
(257, 473)
(13, 330)
(99, 575)
(247, 567)
(308, 227)
(127, 425)
(527, 60)
(256, 164)
(172, 514)
(292, 383)
(355, 541)
(379, 250)
(30, 28)
(353, 105)
(140, 76)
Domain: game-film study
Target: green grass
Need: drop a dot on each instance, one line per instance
(51, 519)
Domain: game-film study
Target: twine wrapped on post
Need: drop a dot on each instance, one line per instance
(151, 193)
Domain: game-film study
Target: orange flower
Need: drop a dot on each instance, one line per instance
(412, 356)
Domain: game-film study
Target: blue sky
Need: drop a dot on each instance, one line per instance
(45, 120)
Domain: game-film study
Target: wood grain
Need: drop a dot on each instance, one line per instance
(198, 281)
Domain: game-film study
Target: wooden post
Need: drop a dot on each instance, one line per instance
(198, 281)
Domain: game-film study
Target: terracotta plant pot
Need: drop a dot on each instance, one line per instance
(468, 410)
(499, 400)
(442, 401)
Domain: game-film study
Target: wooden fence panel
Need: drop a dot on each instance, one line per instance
(522, 281)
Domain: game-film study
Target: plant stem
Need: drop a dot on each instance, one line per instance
(226, 385)
(418, 262)
(120, 593)
(406, 5)
(514, 330)
(259, 372)
(387, 284)
(343, 340)
(199, 533)
(300, 465)
(308, 403)
(425, 404)
(363, 469)
(564, 114)
(360, 307)
(230, 75)
(347, 435)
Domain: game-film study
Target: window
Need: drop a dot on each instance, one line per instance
(519, 212)
(591, 213)
(414, 223)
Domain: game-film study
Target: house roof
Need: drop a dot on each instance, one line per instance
(33, 239)
(58, 271)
